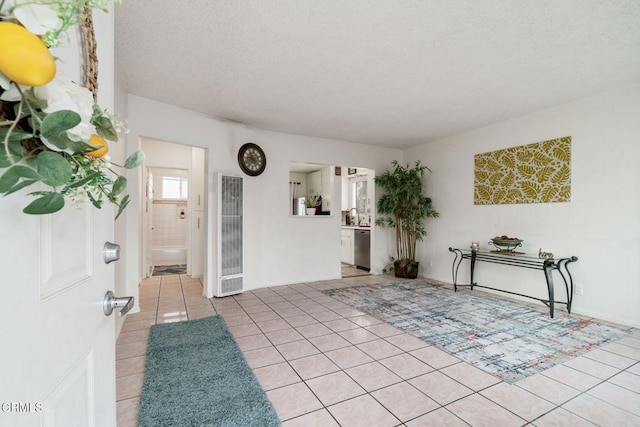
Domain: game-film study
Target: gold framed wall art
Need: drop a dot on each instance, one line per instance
(532, 173)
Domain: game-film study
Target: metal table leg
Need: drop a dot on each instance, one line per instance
(568, 285)
(454, 267)
(473, 268)
(548, 274)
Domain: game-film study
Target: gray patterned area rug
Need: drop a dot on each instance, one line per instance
(502, 337)
(163, 270)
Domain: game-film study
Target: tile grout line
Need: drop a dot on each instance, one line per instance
(344, 370)
(287, 361)
(405, 352)
(288, 364)
(310, 293)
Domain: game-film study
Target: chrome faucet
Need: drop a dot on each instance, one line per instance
(357, 214)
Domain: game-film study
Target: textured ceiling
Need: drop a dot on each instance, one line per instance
(383, 72)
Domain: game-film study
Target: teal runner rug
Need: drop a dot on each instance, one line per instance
(504, 338)
(196, 375)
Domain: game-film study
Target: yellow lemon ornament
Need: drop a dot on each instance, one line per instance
(24, 58)
(97, 141)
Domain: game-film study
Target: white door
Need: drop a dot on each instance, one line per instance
(57, 349)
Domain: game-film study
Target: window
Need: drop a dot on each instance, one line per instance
(359, 195)
(174, 187)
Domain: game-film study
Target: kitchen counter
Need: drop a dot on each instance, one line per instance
(356, 227)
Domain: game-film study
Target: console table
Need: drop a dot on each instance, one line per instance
(518, 259)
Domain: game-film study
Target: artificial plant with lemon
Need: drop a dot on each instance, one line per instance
(52, 133)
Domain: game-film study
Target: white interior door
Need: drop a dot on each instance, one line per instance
(57, 358)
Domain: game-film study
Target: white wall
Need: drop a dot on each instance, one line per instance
(600, 225)
(279, 249)
(160, 154)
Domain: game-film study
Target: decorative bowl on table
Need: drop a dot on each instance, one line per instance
(505, 243)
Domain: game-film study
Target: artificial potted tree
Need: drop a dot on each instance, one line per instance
(404, 208)
(311, 203)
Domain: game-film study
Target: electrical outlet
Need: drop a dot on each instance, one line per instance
(579, 290)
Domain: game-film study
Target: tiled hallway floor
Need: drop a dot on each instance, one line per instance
(352, 271)
(323, 363)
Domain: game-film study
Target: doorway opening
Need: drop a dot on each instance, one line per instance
(357, 219)
(168, 197)
(174, 209)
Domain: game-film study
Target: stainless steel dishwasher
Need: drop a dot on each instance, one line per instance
(362, 249)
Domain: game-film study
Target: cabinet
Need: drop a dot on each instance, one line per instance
(314, 183)
(319, 182)
(197, 178)
(325, 186)
(346, 246)
(197, 204)
(197, 260)
(345, 193)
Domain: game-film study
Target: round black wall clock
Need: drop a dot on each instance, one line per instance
(251, 159)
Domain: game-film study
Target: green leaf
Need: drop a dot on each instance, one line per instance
(33, 123)
(32, 162)
(39, 193)
(123, 204)
(58, 122)
(12, 175)
(15, 149)
(81, 182)
(63, 142)
(46, 204)
(5, 162)
(33, 101)
(26, 172)
(16, 135)
(103, 124)
(8, 180)
(94, 201)
(105, 128)
(54, 168)
(119, 186)
(20, 186)
(38, 104)
(54, 129)
(107, 133)
(134, 160)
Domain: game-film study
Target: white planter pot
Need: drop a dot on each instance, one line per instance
(311, 211)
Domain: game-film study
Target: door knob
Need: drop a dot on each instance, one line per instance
(110, 252)
(111, 301)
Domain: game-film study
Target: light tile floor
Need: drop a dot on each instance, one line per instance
(323, 363)
(348, 270)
